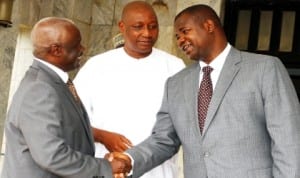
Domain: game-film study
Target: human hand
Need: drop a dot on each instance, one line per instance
(120, 163)
(121, 175)
(113, 142)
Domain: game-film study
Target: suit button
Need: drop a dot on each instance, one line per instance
(206, 154)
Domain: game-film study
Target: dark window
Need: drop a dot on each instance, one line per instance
(267, 27)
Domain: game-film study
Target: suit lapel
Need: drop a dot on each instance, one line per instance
(191, 87)
(228, 72)
(65, 90)
(80, 110)
(86, 123)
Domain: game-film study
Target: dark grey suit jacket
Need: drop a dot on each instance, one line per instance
(48, 134)
(252, 127)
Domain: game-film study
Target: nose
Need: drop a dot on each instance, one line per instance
(180, 40)
(147, 32)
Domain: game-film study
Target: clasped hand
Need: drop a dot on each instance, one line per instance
(120, 163)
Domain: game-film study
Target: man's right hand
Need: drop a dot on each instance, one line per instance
(120, 163)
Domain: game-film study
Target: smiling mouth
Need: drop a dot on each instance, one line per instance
(185, 47)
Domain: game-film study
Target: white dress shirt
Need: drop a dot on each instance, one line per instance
(216, 64)
(62, 74)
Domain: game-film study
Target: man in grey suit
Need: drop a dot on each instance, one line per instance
(47, 129)
(252, 125)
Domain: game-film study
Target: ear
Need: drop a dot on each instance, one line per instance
(56, 50)
(121, 26)
(209, 25)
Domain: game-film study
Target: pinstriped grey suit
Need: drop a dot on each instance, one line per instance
(252, 127)
(48, 134)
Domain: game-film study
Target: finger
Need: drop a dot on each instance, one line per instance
(123, 147)
(121, 165)
(120, 155)
(120, 175)
(109, 157)
(127, 142)
(119, 148)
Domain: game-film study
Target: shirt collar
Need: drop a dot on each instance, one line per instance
(218, 62)
(63, 75)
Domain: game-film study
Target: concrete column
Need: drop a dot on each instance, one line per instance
(23, 58)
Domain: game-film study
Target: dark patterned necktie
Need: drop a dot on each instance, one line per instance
(204, 96)
(73, 91)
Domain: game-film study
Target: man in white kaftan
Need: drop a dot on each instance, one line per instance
(122, 94)
(122, 89)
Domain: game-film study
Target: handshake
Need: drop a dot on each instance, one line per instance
(120, 163)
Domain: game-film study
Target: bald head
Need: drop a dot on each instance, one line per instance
(50, 31)
(136, 7)
(139, 27)
(58, 42)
